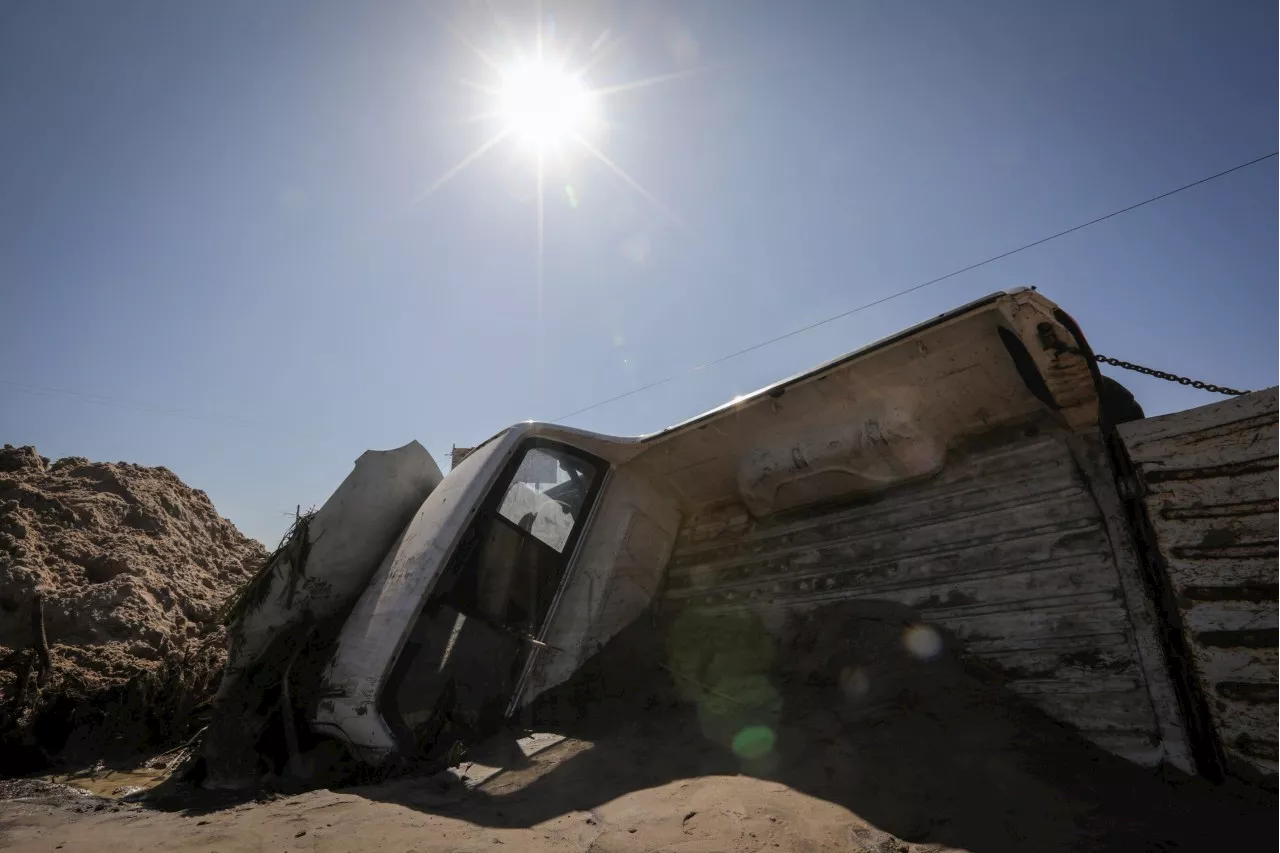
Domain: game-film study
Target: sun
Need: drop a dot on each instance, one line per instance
(539, 100)
(544, 106)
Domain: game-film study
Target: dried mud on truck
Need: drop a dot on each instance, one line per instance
(976, 470)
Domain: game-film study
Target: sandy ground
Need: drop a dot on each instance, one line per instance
(927, 755)
(658, 785)
(712, 814)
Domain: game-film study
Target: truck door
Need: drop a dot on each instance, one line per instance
(464, 656)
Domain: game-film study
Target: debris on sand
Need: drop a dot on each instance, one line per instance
(111, 576)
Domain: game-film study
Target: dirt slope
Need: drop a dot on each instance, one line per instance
(128, 566)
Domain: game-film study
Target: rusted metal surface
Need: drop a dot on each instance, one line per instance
(1006, 548)
(1208, 483)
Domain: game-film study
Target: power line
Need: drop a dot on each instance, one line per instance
(913, 288)
(99, 399)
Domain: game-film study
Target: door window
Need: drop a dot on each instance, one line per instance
(546, 496)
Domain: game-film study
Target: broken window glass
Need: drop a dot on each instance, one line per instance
(546, 495)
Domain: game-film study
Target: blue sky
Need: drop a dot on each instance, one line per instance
(212, 229)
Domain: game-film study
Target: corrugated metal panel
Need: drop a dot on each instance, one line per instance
(1006, 548)
(1209, 482)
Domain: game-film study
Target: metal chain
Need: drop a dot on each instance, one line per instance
(1171, 377)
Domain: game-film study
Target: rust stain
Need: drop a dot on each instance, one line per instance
(1070, 541)
(1249, 691)
(1256, 747)
(1239, 509)
(1230, 429)
(1239, 551)
(1234, 469)
(1258, 638)
(1238, 592)
(1219, 538)
(954, 598)
(1093, 659)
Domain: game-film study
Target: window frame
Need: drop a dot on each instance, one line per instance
(498, 491)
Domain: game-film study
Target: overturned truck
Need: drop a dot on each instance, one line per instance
(1116, 572)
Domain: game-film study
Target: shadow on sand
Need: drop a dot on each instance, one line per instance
(914, 744)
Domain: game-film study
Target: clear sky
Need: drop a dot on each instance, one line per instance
(215, 230)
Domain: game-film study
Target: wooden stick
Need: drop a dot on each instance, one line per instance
(39, 641)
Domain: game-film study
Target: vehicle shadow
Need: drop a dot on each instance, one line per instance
(919, 745)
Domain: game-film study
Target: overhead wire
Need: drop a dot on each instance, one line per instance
(905, 291)
(100, 399)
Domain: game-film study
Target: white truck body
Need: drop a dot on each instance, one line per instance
(963, 468)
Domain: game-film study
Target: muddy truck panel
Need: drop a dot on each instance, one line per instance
(968, 472)
(959, 468)
(1205, 480)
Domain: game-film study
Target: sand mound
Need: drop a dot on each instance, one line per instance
(127, 567)
(858, 704)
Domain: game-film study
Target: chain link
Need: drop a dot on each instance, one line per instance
(1170, 377)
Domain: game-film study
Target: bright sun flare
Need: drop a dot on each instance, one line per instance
(547, 109)
(542, 103)
(544, 106)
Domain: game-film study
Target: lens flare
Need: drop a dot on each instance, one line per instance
(754, 742)
(922, 641)
(854, 682)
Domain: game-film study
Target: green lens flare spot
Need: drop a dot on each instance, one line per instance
(754, 742)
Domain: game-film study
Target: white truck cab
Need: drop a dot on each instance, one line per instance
(469, 596)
